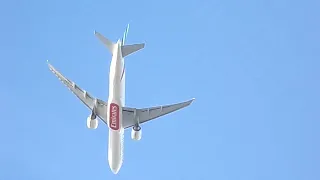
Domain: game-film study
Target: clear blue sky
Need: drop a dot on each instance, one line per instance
(253, 67)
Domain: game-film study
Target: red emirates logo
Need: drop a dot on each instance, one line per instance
(114, 116)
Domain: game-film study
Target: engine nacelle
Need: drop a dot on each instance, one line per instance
(92, 123)
(136, 133)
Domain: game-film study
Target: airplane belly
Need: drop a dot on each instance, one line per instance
(115, 150)
(114, 117)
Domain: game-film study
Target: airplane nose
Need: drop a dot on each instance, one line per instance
(114, 168)
(115, 165)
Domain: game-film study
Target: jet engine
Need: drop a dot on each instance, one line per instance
(92, 122)
(136, 133)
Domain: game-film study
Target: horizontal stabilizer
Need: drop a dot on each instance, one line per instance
(129, 49)
(109, 44)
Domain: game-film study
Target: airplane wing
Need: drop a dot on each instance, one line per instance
(132, 115)
(86, 98)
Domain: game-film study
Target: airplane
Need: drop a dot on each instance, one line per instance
(114, 113)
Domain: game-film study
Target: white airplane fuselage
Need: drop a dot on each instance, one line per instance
(116, 101)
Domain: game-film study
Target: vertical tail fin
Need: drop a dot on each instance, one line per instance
(129, 49)
(125, 35)
(123, 78)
